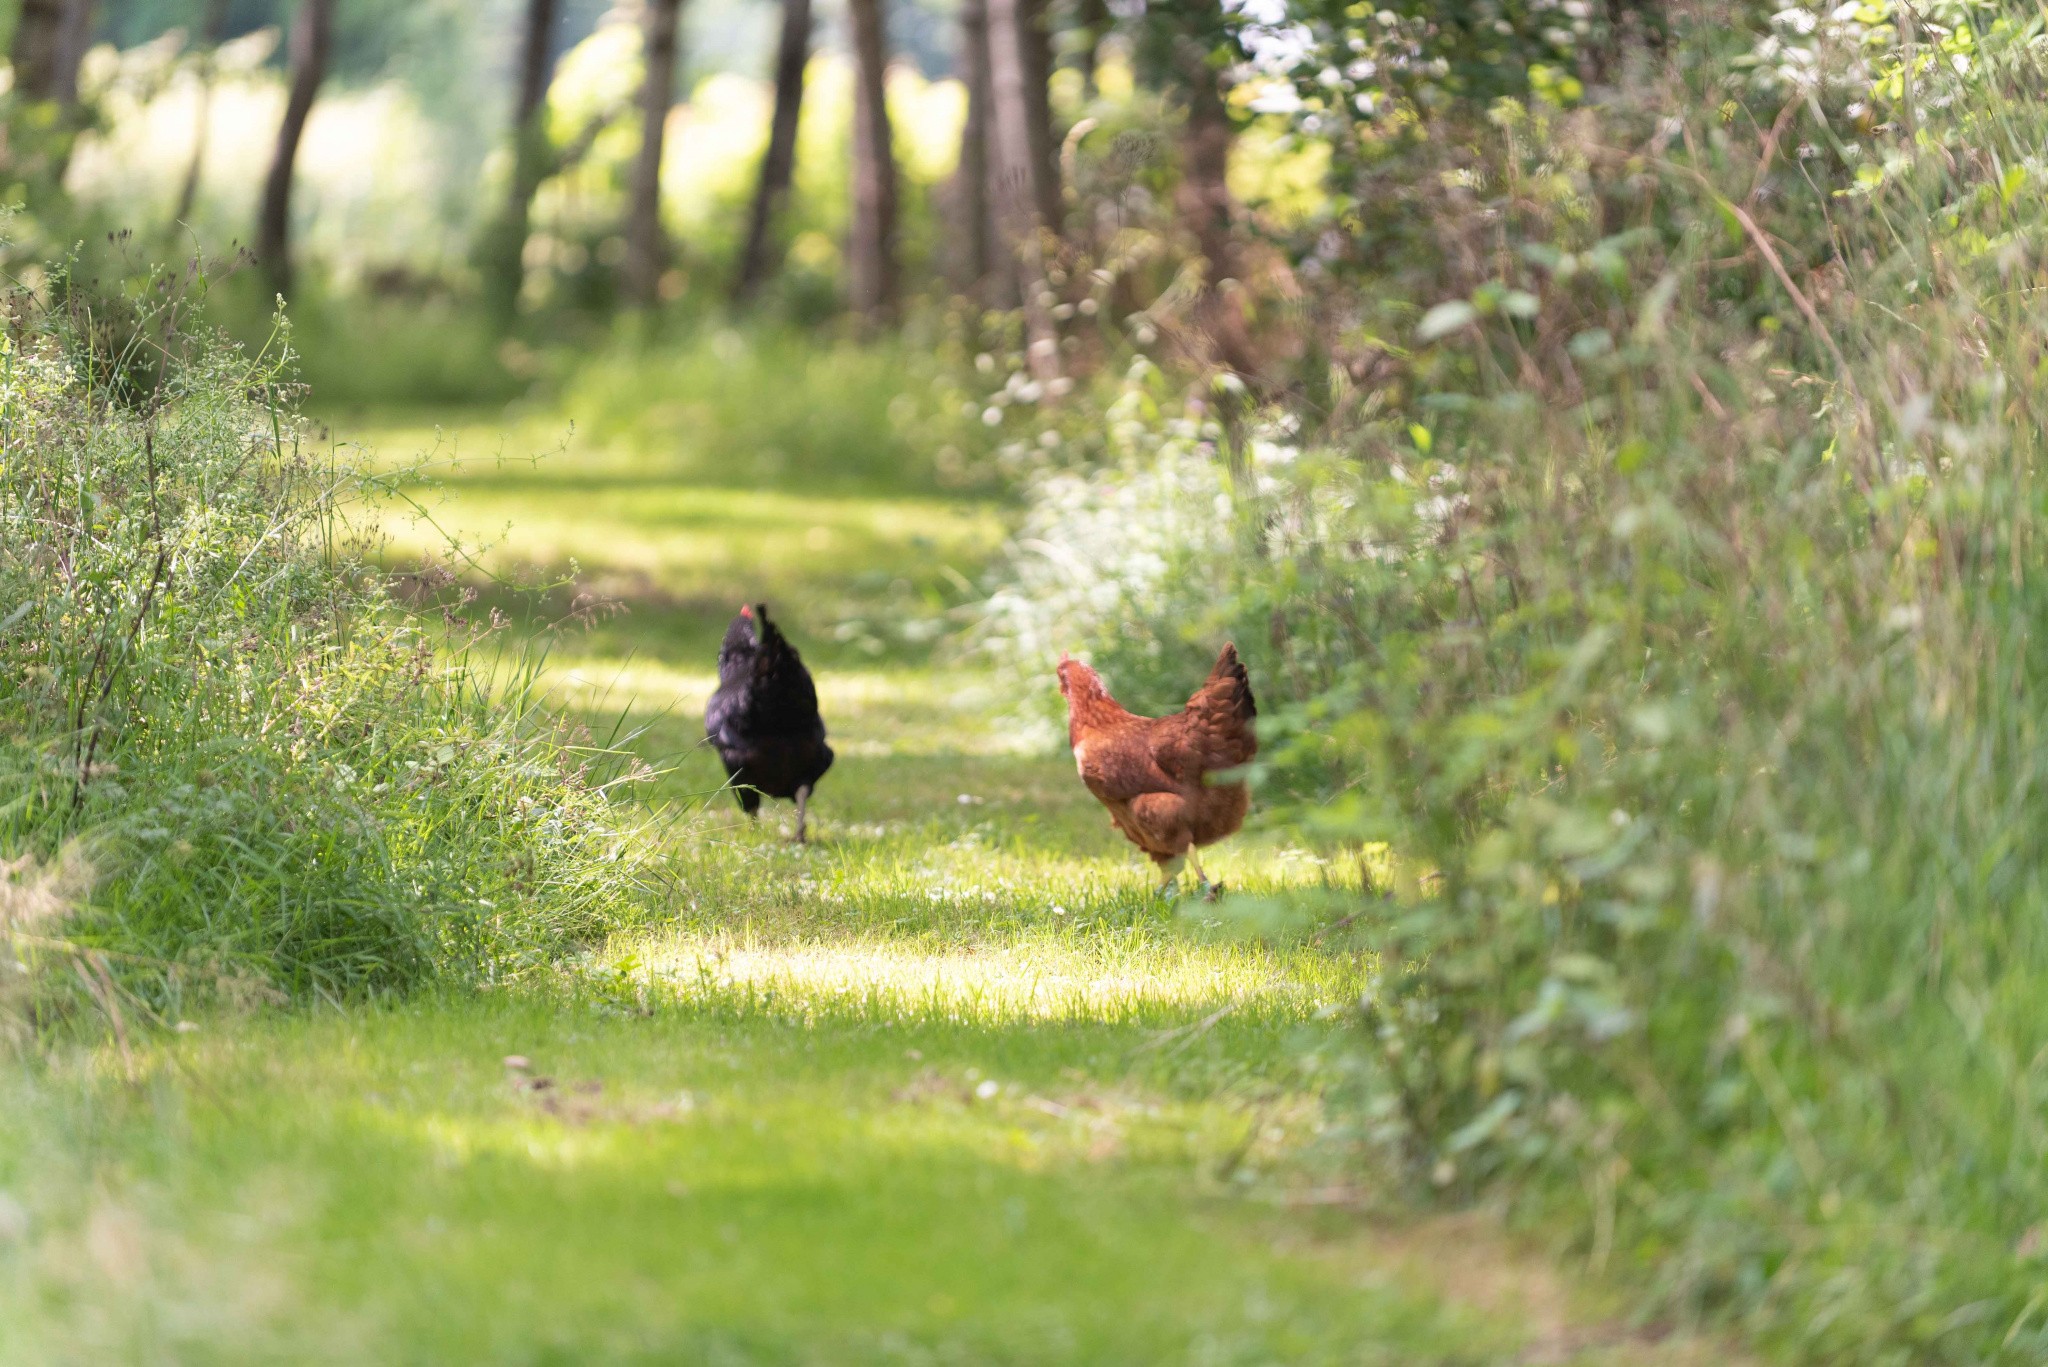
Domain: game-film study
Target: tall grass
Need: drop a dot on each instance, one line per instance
(1658, 572)
(207, 684)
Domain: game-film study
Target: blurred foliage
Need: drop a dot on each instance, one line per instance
(407, 151)
(1466, 49)
(711, 407)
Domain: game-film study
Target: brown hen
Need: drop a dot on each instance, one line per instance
(1152, 773)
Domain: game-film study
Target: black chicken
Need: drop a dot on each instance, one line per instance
(763, 720)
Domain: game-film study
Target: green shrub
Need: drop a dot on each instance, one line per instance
(1658, 574)
(207, 683)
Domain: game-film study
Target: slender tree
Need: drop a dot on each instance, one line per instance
(1203, 200)
(312, 42)
(646, 244)
(1092, 19)
(38, 40)
(210, 34)
(778, 163)
(976, 255)
(871, 254)
(504, 245)
(1033, 19)
(74, 36)
(1021, 167)
(50, 38)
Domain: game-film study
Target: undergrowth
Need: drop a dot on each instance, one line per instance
(282, 782)
(1653, 563)
(771, 407)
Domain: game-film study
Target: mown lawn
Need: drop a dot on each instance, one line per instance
(951, 1085)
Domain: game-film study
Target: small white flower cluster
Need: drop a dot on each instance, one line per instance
(1857, 47)
(1102, 549)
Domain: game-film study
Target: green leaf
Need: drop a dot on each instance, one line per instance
(1482, 1126)
(1444, 319)
(1591, 343)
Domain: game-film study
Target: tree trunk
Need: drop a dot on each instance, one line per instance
(1034, 29)
(38, 48)
(976, 256)
(210, 36)
(871, 248)
(504, 263)
(536, 70)
(1021, 164)
(50, 38)
(74, 36)
(778, 163)
(646, 244)
(1204, 203)
(1093, 19)
(311, 43)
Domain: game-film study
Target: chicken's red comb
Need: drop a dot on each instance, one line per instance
(746, 609)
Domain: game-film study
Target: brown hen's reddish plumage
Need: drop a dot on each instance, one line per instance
(1152, 772)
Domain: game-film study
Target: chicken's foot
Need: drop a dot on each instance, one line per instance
(803, 799)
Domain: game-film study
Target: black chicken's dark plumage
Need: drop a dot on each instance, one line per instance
(763, 720)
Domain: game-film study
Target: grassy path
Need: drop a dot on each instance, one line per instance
(948, 1086)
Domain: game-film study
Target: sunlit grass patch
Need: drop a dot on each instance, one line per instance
(635, 535)
(870, 713)
(897, 853)
(1109, 978)
(856, 580)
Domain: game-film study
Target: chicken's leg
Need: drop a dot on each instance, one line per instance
(1201, 879)
(1171, 868)
(803, 798)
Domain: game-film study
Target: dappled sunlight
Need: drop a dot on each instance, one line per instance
(452, 1139)
(637, 535)
(872, 714)
(375, 175)
(1102, 977)
(988, 865)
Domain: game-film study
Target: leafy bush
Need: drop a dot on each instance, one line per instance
(1659, 577)
(205, 680)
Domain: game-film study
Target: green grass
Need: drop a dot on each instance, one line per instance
(950, 1085)
(857, 579)
(708, 1182)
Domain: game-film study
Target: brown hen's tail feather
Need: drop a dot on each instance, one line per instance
(1222, 710)
(1227, 692)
